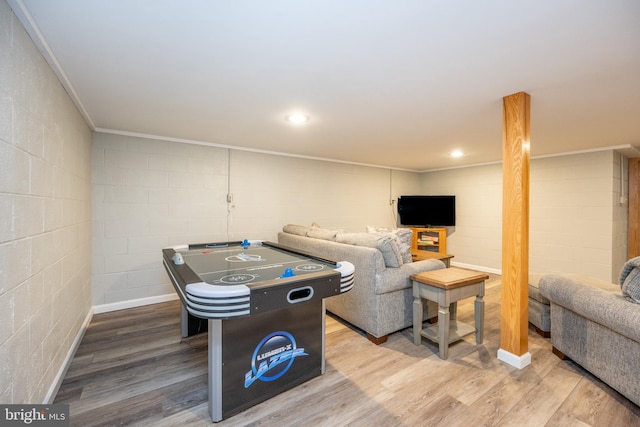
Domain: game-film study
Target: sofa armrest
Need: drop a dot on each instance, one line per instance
(601, 304)
(416, 267)
(394, 279)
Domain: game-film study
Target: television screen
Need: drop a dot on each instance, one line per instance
(427, 210)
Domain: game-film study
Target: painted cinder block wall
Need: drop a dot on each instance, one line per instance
(45, 219)
(577, 223)
(153, 193)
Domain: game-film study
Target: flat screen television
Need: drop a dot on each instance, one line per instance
(427, 211)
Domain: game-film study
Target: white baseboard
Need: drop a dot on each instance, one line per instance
(514, 360)
(57, 381)
(121, 305)
(476, 267)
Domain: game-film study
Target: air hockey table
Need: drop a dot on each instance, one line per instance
(263, 307)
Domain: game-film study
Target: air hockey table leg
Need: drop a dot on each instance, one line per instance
(323, 335)
(215, 369)
(184, 321)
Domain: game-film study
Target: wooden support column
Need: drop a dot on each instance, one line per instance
(515, 231)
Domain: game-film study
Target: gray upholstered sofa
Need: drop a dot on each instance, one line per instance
(596, 326)
(539, 310)
(380, 301)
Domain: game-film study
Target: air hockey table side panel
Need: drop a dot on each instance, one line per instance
(288, 344)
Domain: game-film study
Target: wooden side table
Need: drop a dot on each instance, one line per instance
(446, 287)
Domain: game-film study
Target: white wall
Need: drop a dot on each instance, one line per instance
(476, 239)
(574, 211)
(577, 224)
(270, 191)
(45, 214)
(149, 194)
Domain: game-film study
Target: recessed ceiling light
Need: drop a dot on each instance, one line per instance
(457, 153)
(297, 118)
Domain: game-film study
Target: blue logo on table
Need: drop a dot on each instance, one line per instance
(273, 357)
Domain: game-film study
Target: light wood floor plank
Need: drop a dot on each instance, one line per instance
(132, 368)
(542, 401)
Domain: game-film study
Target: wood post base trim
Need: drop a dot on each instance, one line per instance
(377, 340)
(514, 360)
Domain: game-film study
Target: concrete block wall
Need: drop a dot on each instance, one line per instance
(45, 220)
(577, 224)
(147, 195)
(574, 211)
(476, 240)
(150, 193)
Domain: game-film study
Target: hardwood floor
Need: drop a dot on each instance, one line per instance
(132, 368)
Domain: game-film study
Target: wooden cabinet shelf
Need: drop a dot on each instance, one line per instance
(429, 239)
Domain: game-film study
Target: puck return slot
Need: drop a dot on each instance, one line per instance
(300, 294)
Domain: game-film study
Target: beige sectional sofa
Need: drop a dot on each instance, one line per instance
(380, 301)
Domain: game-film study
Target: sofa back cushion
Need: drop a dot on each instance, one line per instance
(631, 286)
(298, 230)
(384, 243)
(402, 236)
(323, 233)
(630, 280)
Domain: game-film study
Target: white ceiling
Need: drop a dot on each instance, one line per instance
(390, 83)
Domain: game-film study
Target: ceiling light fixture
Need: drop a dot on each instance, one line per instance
(297, 118)
(457, 153)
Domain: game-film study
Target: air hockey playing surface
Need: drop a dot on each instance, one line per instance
(234, 266)
(264, 305)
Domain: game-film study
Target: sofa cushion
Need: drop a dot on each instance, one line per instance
(630, 280)
(298, 230)
(402, 236)
(384, 243)
(534, 291)
(323, 233)
(631, 286)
